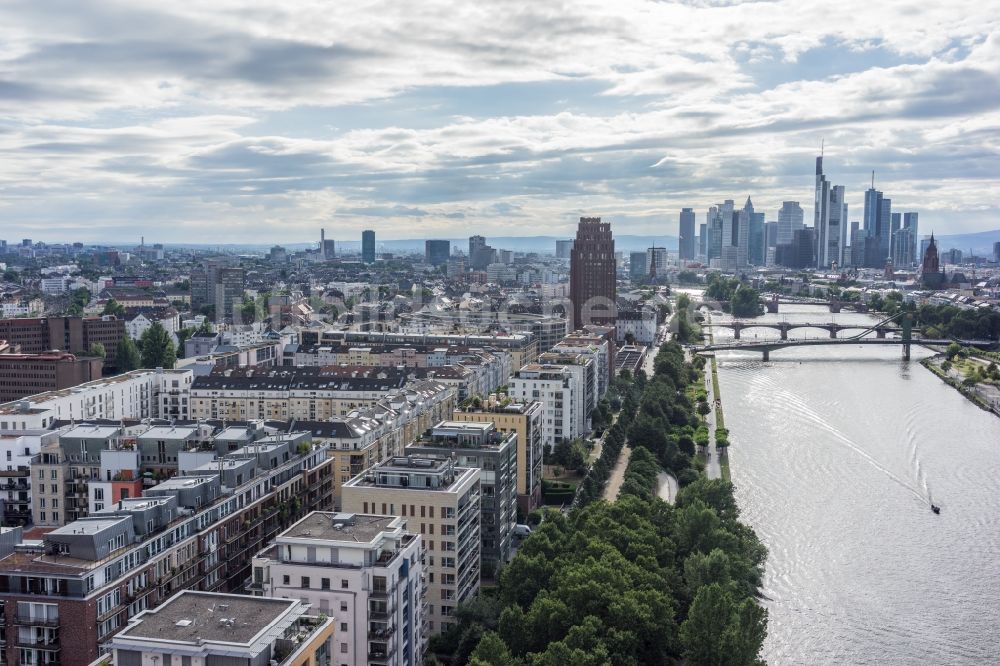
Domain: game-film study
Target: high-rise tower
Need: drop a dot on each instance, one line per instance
(686, 242)
(592, 274)
(368, 246)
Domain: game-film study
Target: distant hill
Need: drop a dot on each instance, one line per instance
(541, 244)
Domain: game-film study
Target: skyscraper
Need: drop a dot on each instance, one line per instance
(790, 220)
(741, 234)
(878, 226)
(686, 242)
(476, 242)
(436, 252)
(702, 239)
(829, 220)
(592, 287)
(910, 224)
(368, 246)
(481, 255)
(656, 261)
(756, 242)
(563, 249)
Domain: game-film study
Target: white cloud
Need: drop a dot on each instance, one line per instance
(158, 114)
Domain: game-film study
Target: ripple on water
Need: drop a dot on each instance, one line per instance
(832, 460)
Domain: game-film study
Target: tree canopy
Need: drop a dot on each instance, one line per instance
(158, 350)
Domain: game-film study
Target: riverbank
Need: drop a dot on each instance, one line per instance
(972, 393)
(719, 455)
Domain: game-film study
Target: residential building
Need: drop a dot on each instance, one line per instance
(639, 324)
(481, 445)
(233, 629)
(593, 288)
(365, 572)
(98, 572)
(556, 388)
(444, 501)
(524, 419)
(523, 344)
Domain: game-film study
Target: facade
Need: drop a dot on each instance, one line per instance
(482, 446)
(522, 345)
(365, 572)
(830, 220)
(524, 419)
(593, 288)
(22, 375)
(931, 275)
(638, 272)
(790, 220)
(140, 394)
(226, 629)
(71, 334)
(877, 227)
(564, 248)
(436, 252)
(557, 389)
(368, 246)
(686, 244)
(443, 502)
(640, 324)
(69, 595)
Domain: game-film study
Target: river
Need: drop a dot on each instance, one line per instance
(837, 453)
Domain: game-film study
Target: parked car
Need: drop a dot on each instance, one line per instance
(522, 530)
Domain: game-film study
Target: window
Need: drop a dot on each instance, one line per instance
(343, 605)
(325, 583)
(41, 503)
(52, 475)
(286, 580)
(343, 627)
(305, 582)
(344, 584)
(343, 648)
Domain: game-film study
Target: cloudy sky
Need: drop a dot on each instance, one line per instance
(237, 121)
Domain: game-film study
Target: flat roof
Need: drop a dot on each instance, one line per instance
(353, 527)
(168, 432)
(181, 482)
(87, 526)
(89, 431)
(193, 617)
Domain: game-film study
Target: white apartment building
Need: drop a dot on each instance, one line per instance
(362, 570)
(139, 394)
(556, 388)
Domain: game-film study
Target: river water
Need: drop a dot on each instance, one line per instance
(837, 453)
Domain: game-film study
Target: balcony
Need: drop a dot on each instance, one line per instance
(28, 621)
(50, 645)
(381, 630)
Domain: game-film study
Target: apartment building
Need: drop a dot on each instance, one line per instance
(313, 394)
(482, 446)
(523, 347)
(17, 448)
(236, 630)
(556, 387)
(583, 369)
(140, 394)
(363, 571)
(593, 345)
(525, 420)
(440, 499)
(87, 578)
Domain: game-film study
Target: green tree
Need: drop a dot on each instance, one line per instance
(127, 357)
(113, 307)
(721, 631)
(158, 349)
(97, 349)
(492, 651)
(79, 299)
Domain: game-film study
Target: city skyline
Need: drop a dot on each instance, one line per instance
(271, 124)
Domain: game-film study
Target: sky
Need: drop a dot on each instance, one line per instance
(238, 121)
